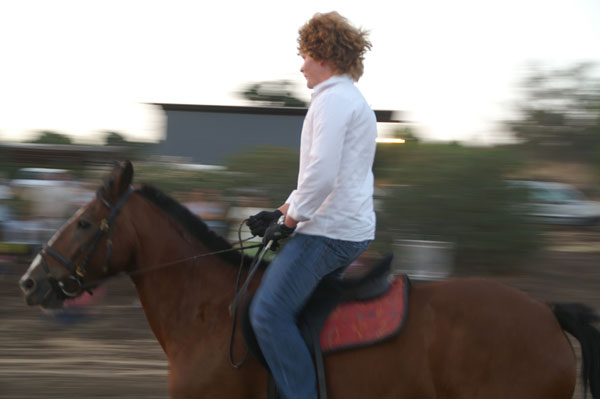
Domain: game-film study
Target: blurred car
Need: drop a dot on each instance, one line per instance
(557, 203)
(5, 192)
(49, 193)
(5, 211)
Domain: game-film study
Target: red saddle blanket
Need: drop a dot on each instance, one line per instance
(357, 324)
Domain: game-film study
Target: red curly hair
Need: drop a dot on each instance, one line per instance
(330, 37)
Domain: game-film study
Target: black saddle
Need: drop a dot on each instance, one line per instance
(327, 296)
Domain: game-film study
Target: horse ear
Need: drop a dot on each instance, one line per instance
(126, 176)
(118, 181)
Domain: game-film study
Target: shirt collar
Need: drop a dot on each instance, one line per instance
(332, 81)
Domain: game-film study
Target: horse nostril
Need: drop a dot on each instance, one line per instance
(28, 284)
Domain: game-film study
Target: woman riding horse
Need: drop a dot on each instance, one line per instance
(463, 338)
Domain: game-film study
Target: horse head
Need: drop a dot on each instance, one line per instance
(91, 246)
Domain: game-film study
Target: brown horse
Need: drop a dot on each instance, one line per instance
(463, 338)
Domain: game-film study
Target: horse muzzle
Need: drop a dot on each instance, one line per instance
(39, 290)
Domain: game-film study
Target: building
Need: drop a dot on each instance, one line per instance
(208, 134)
(60, 155)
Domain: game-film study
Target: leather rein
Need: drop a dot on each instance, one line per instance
(74, 284)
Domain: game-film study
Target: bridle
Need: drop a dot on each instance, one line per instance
(78, 271)
(73, 285)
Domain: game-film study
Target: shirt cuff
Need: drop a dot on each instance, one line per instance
(291, 197)
(295, 215)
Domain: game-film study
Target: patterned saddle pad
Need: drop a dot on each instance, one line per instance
(362, 323)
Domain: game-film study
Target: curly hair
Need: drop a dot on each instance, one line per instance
(330, 37)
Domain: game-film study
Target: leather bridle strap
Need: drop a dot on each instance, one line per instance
(106, 225)
(78, 271)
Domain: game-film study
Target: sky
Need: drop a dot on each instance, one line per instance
(453, 68)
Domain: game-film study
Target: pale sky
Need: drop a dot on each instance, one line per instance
(82, 67)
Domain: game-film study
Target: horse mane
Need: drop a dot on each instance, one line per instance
(192, 223)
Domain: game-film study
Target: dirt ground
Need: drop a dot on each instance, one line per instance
(110, 352)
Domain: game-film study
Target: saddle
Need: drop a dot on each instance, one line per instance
(344, 314)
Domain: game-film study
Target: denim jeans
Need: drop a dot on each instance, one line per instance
(285, 288)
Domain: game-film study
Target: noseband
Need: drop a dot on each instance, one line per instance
(78, 271)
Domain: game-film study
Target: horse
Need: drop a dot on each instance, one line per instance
(463, 337)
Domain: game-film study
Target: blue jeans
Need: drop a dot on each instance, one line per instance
(286, 286)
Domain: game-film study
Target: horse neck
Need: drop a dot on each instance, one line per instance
(186, 299)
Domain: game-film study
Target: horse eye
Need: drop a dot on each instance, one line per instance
(83, 224)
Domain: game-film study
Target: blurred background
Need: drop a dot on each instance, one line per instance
(488, 157)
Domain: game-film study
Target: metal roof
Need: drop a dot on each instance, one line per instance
(387, 116)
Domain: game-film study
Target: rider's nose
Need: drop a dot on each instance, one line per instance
(27, 284)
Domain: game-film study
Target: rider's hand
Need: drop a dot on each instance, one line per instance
(261, 221)
(277, 231)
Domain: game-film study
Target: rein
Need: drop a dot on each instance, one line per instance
(74, 284)
(78, 271)
(173, 263)
(240, 292)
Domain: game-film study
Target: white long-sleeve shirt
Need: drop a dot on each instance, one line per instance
(334, 194)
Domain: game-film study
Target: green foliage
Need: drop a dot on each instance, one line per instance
(456, 194)
(279, 93)
(47, 137)
(270, 172)
(173, 180)
(560, 113)
(134, 150)
(597, 166)
(113, 138)
(408, 133)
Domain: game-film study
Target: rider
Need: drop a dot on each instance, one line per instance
(331, 210)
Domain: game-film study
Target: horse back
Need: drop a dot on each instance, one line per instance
(464, 338)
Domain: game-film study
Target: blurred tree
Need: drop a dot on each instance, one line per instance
(173, 180)
(114, 138)
(560, 113)
(408, 133)
(48, 137)
(279, 93)
(265, 173)
(457, 194)
(387, 155)
(135, 150)
(269, 172)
